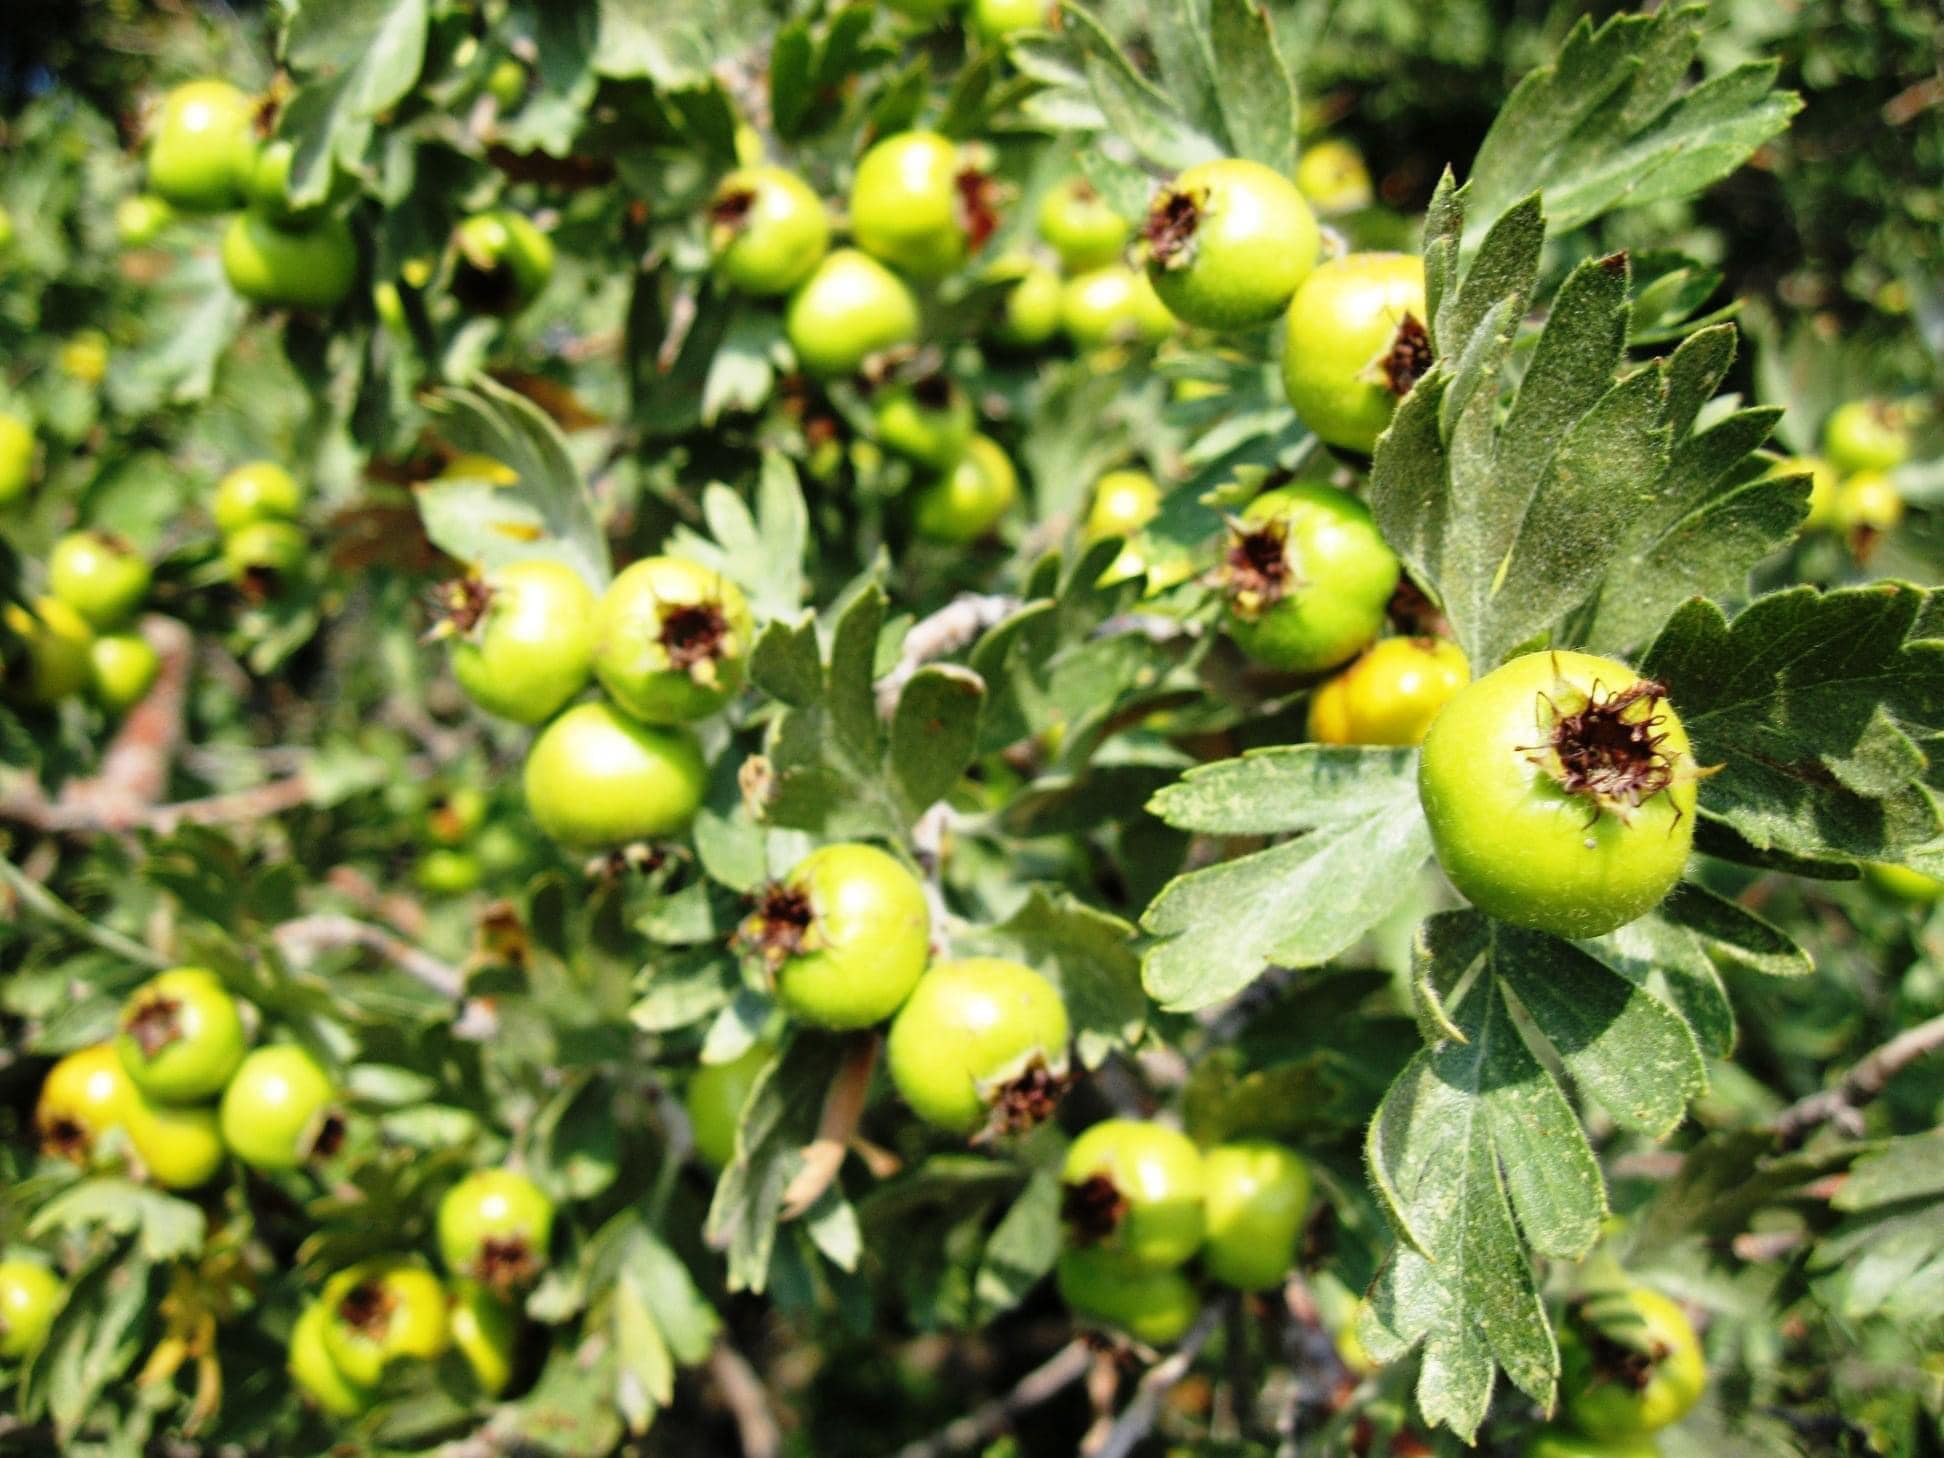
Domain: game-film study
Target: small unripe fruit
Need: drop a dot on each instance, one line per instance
(1257, 1198)
(1308, 578)
(101, 577)
(1332, 176)
(715, 1099)
(1082, 227)
(1866, 435)
(1823, 485)
(767, 229)
(293, 266)
(141, 219)
(122, 668)
(504, 262)
(181, 1035)
(843, 937)
(531, 648)
(30, 1295)
(485, 1330)
(1565, 1443)
(1123, 502)
(1902, 882)
(1354, 344)
(17, 452)
(597, 777)
(994, 20)
(1114, 305)
(276, 1111)
(253, 492)
(203, 147)
(929, 419)
(671, 640)
(179, 1148)
(494, 1227)
(381, 1311)
(1630, 1364)
(919, 204)
(968, 501)
(1229, 242)
(316, 1374)
(56, 639)
(506, 83)
(1868, 502)
(850, 308)
(1134, 1190)
(1029, 311)
(84, 1095)
(1391, 694)
(980, 1041)
(265, 555)
(1154, 1307)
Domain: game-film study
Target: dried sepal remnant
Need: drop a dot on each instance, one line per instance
(154, 1023)
(1171, 225)
(1608, 746)
(1256, 571)
(694, 637)
(781, 925)
(65, 1138)
(978, 205)
(1092, 1209)
(1024, 1102)
(367, 1309)
(505, 1263)
(1408, 358)
(729, 209)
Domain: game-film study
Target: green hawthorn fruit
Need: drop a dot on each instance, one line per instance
(1257, 1195)
(1354, 344)
(993, 20)
(1866, 435)
(203, 147)
(122, 668)
(494, 1227)
(979, 1041)
(844, 936)
(101, 577)
(55, 640)
(1565, 1443)
(929, 419)
(850, 308)
(597, 777)
(715, 1099)
(1308, 578)
(1630, 1364)
(141, 219)
(180, 1035)
(1135, 1190)
(1823, 485)
(525, 640)
(180, 1148)
(1391, 694)
(1229, 242)
(309, 265)
(767, 229)
(1868, 502)
(17, 451)
(671, 640)
(1082, 227)
(30, 1297)
(445, 871)
(1154, 1307)
(1560, 793)
(966, 502)
(918, 203)
(84, 1096)
(382, 1311)
(253, 492)
(310, 1365)
(485, 1331)
(1902, 883)
(276, 1111)
(1114, 305)
(1332, 176)
(503, 262)
(1029, 310)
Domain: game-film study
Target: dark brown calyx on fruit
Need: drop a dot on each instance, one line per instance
(1615, 1359)
(329, 1138)
(978, 206)
(778, 928)
(934, 391)
(1024, 1103)
(1256, 570)
(693, 635)
(1171, 225)
(486, 286)
(367, 1308)
(154, 1023)
(505, 1262)
(65, 1138)
(1608, 746)
(729, 210)
(259, 584)
(1408, 357)
(1092, 1209)
(465, 600)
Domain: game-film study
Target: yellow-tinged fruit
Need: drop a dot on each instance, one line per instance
(1391, 694)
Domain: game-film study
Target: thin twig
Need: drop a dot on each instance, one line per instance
(748, 1402)
(327, 931)
(1138, 1417)
(843, 1107)
(43, 903)
(952, 627)
(1839, 1104)
(987, 1421)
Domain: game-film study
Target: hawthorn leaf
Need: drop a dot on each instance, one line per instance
(360, 58)
(1089, 955)
(1359, 838)
(934, 731)
(1133, 106)
(1255, 92)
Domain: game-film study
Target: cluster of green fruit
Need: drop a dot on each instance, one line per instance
(258, 509)
(1140, 1201)
(1631, 1365)
(494, 1230)
(1851, 489)
(209, 153)
(77, 638)
(180, 1087)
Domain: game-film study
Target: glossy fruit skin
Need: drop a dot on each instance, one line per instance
(30, 1295)
(316, 1374)
(968, 1026)
(1605, 1405)
(122, 668)
(1029, 314)
(99, 576)
(253, 492)
(904, 204)
(181, 1148)
(1332, 177)
(1868, 501)
(1339, 577)
(1155, 1307)
(485, 1330)
(596, 777)
(533, 649)
(141, 219)
(1343, 323)
(1082, 227)
(1114, 305)
(912, 420)
(1391, 694)
(867, 939)
(17, 451)
(180, 1035)
(1517, 844)
(413, 1323)
(85, 1094)
(968, 501)
(850, 308)
(1123, 502)
(767, 230)
(1257, 1196)
(1902, 883)
(505, 262)
(495, 1225)
(268, 184)
(291, 266)
(275, 1106)
(1158, 1174)
(639, 640)
(203, 147)
(715, 1098)
(1565, 1443)
(994, 20)
(1254, 241)
(56, 639)
(506, 83)
(1823, 483)
(274, 550)
(1865, 435)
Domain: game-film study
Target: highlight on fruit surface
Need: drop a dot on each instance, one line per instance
(980, 1045)
(671, 640)
(597, 777)
(1355, 341)
(1134, 1190)
(1228, 242)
